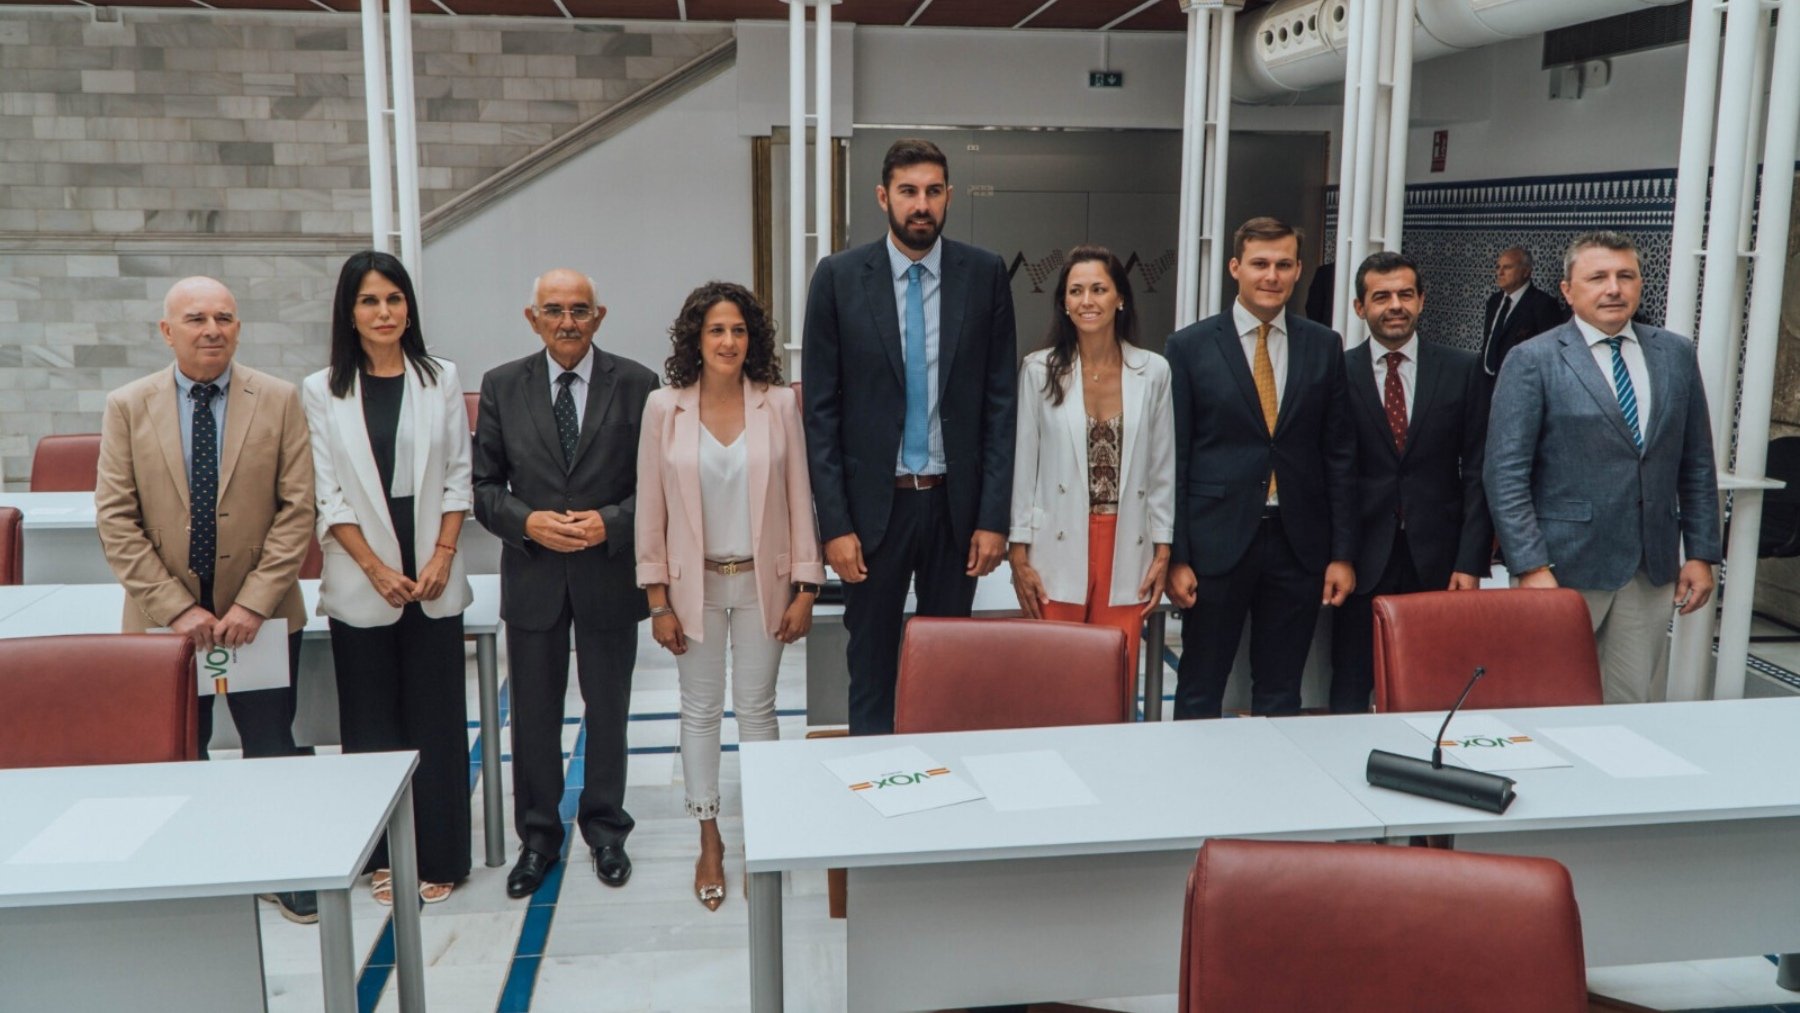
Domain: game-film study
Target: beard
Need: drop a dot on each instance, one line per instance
(910, 239)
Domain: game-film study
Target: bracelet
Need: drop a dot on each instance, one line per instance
(661, 610)
(802, 587)
(447, 547)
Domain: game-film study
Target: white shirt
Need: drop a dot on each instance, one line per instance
(1635, 364)
(725, 497)
(1247, 325)
(1409, 370)
(931, 282)
(1508, 302)
(577, 389)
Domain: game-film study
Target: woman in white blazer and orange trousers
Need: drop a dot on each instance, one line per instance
(390, 440)
(1093, 503)
(727, 551)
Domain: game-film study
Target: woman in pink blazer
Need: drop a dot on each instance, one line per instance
(726, 547)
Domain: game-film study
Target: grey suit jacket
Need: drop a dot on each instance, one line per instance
(1567, 486)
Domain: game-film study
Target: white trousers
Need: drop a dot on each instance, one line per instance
(1631, 630)
(732, 620)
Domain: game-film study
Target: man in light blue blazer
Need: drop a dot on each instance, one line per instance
(1600, 467)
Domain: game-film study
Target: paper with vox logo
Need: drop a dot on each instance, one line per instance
(260, 664)
(1484, 742)
(902, 780)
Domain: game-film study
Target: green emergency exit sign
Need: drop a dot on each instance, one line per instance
(1106, 79)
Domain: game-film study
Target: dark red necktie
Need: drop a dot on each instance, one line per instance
(1393, 398)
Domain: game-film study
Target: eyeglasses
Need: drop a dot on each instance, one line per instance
(581, 313)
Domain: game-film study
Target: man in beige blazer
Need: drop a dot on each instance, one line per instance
(155, 453)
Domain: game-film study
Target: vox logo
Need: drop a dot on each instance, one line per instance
(900, 779)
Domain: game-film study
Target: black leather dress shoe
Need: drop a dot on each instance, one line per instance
(528, 873)
(611, 864)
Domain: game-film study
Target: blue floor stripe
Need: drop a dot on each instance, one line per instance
(521, 978)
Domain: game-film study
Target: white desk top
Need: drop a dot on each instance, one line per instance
(247, 826)
(46, 511)
(95, 608)
(1748, 749)
(1161, 786)
(14, 597)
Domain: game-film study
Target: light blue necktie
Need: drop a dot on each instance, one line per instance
(915, 451)
(1626, 392)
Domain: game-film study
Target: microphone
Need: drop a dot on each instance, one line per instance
(1460, 786)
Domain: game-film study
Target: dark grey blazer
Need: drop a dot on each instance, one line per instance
(1566, 485)
(854, 386)
(1436, 484)
(1224, 451)
(519, 468)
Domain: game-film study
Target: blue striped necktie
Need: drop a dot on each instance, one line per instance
(916, 447)
(1626, 392)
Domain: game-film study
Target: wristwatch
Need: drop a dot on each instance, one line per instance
(802, 587)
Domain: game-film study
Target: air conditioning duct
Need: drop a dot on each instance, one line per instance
(1297, 45)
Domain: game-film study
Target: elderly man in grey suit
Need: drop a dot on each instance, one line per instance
(1600, 466)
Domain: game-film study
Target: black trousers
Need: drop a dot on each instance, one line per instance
(1353, 632)
(538, 665)
(918, 548)
(1279, 596)
(403, 687)
(264, 717)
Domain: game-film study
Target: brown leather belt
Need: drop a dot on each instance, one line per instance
(918, 481)
(730, 567)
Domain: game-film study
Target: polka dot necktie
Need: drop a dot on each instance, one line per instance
(203, 484)
(568, 424)
(1393, 398)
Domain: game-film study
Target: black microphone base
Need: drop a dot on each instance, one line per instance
(1458, 785)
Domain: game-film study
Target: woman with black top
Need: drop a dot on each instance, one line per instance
(390, 442)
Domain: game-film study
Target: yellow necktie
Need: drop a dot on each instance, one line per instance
(1262, 371)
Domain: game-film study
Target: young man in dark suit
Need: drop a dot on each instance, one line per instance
(1516, 312)
(908, 370)
(556, 481)
(1265, 481)
(1420, 414)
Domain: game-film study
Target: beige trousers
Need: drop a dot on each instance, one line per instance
(1631, 630)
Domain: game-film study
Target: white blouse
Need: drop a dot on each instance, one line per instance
(725, 497)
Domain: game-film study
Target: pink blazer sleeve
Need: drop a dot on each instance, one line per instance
(803, 555)
(652, 523)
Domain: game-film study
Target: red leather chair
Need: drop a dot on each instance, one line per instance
(66, 463)
(1363, 928)
(472, 405)
(1537, 647)
(12, 546)
(104, 698)
(967, 674)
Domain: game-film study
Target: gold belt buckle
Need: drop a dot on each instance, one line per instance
(729, 568)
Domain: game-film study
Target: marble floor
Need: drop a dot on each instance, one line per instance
(649, 946)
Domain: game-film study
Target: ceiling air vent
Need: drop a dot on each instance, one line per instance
(1651, 28)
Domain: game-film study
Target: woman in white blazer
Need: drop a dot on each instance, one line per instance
(1093, 502)
(390, 441)
(726, 547)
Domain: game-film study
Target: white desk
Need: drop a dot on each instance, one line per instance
(170, 923)
(1024, 906)
(51, 610)
(1665, 868)
(828, 676)
(61, 546)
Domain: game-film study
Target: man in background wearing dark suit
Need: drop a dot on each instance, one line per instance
(1599, 467)
(556, 481)
(1420, 412)
(1517, 311)
(908, 372)
(1265, 481)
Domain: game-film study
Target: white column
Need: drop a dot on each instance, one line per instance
(822, 147)
(1187, 296)
(1220, 152)
(406, 140)
(381, 180)
(1762, 336)
(1399, 126)
(1369, 66)
(796, 308)
(1355, 52)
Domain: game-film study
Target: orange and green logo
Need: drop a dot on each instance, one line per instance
(214, 663)
(900, 779)
(1486, 741)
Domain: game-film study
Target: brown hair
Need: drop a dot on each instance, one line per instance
(912, 151)
(1265, 229)
(761, 363)
(1064, 340)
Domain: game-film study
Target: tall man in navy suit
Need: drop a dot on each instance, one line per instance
(908, 371)
(1265, 481)
(1600, 466)
(1421, 413)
